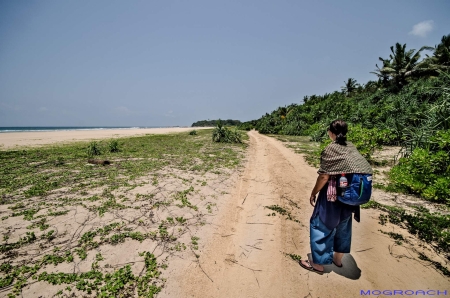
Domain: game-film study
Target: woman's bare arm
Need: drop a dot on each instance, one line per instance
(320, 182)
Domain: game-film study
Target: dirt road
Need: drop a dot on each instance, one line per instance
(245, 256)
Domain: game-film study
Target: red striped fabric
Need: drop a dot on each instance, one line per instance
(331, 191)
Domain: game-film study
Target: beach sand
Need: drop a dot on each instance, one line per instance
(163, 198)
(11, 140)
(228, 243)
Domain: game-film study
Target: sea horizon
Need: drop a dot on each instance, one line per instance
(8, 129)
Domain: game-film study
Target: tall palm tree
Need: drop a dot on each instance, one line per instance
(350, 86)
(381, 73)
(402, 64)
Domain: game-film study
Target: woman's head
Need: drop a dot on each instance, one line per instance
(339, 129)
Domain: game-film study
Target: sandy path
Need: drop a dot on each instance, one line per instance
(17, 139)
(244, 257)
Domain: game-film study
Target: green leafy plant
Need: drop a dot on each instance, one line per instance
(222, 134)
(28, 214)
(30, 237)
(93, 149)
(282, 211)
(182, 196)
(194, 241)
(296, 258)
(432, 228)
(396, 236)
(425, 173)
(113, 146)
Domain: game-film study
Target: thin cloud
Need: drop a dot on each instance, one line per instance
(423, 28)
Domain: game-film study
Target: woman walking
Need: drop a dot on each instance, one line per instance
(331, 221)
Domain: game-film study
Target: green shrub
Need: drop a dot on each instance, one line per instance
(234, 136)
(367, 140)
(113, 146)
(246, 126)
(94, 149)
(424, 173)
(193, 132)
(222, 134)
(317, 132)
(441, 140)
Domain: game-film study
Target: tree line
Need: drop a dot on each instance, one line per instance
(207, 123)
(408, 104)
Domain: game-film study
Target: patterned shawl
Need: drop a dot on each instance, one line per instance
(337, 159)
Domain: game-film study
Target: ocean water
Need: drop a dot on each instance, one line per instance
(56, 128)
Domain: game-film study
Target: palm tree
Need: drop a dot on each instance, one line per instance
(441, 56)
(381, 73)
(350, 86)
(402, 64)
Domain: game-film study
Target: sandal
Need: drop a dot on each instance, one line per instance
(310, 267)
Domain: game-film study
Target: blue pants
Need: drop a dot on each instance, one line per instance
(324, 241)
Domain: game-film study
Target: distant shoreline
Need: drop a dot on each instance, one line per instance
(9, 129)
(17, 139)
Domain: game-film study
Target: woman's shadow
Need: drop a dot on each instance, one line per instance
(349, 267)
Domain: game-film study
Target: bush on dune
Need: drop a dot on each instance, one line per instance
(222, 134)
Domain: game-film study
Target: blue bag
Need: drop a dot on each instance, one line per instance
(358, 191)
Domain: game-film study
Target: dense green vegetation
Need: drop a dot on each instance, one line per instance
(409, 106)
(211, 123)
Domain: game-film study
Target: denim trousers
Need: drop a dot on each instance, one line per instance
(325, 241)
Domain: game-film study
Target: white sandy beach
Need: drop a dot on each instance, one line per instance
(12, 140)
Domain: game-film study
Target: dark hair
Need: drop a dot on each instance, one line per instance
(339, 128)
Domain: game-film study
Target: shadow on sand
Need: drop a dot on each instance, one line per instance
(349, 267)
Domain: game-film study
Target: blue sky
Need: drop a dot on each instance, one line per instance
(167, 63)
